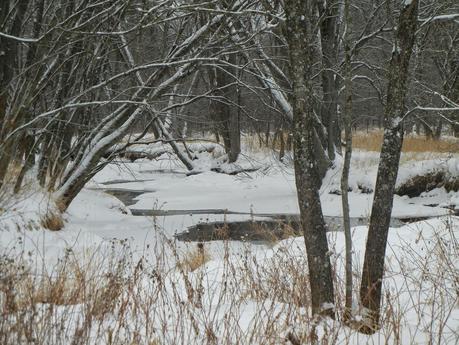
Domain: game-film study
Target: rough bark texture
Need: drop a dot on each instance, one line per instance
(307, 176)
(373, 269)
(347, 121)
(328, 11)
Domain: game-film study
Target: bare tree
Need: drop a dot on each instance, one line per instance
(308, 181)
(80, 89)
(347, 124)
(9, 64)
(373, 269)
(329, 35)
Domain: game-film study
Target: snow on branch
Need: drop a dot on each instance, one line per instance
(443, 18)
(19, 39)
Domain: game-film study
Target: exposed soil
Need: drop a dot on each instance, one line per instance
(270, 230)
(425, 183)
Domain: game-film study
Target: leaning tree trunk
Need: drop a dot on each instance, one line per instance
(112, 131)
(307, 176)
(373, 268)
(159, 127)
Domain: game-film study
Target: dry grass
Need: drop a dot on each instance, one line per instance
(264, 234)
(368, 141)
(52, 221)
(259, 142)
(14, 168)
(195, 258)
(70, 283)
(272, 236)
(372, 141)
(247, 298)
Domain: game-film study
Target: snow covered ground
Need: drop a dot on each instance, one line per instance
(242, 291)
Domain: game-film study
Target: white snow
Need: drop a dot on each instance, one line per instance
(416, 255)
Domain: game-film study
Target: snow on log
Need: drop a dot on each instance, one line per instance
(425, 176)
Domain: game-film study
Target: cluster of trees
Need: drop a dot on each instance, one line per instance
(302, 33)
(76, 76)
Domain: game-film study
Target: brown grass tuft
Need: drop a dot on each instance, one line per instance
(272, 236)
(372, 141)
(13, 171)
(69, 285)
(264, 234)
(65, 289)
(196, 258)
(52, 221)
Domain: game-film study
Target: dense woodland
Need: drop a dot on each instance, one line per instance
(77, 76)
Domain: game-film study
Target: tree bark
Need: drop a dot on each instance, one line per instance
(454, 95)
(308, 180)
(226, 115)
(8, 68)
(27, 142)
(4, 57)
(373, 268)
(328, 11)
(347, 121)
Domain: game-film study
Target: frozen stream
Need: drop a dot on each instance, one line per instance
(256, 226)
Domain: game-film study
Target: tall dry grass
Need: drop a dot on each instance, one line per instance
(367, 141)
(242, 298)
(372, 141)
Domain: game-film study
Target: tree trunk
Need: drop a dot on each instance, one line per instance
(116, 125)
(373, 268)
(307, 176)
(4, 57)
(328, 10)
(347, 121)
(438, 129)
(267, 71)
(282, 144)
(8, 68)
(428, 131)
(226, 115)
(454, 95)
(29, 160)
(234, 120)
(27, 141)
